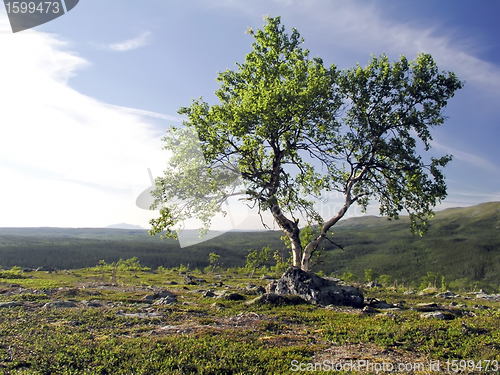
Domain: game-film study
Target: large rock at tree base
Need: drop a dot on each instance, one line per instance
(315, 289)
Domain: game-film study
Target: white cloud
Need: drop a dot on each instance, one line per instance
(472, 159)
(362, 27)
(66, 159)
(131, 44)
(142, 112)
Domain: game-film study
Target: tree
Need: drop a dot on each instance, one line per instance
(256, 259)
(213, 260)
(293, 129)
(370, 275)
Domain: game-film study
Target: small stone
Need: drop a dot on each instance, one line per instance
(368, 310)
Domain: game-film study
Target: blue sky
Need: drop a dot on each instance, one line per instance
(87, 97)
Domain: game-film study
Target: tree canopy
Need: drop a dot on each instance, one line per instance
(288, 129)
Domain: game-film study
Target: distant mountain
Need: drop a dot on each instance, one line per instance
(124, 226)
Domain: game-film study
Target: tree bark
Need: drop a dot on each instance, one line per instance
(306, 256)
(292, 231)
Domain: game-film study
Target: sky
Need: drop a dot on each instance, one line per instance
(87, 97)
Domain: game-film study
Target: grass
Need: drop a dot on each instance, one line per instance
(200, 335)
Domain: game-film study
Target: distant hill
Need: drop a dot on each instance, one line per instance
(461, 243)
(125, 226)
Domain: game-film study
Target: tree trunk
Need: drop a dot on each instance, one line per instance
(291, 230)
(296, 251)
(306, 257)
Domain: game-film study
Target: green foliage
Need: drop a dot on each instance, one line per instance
(183, 268)
(348, 277)
(256, 259)
(385, 280)
(370, 275)
(444, 287)
(193, 337)
(282, 264)
(213, 260)
(279, 118)
(461, 244)
(320, 273)
(429, 280)
(131, 264)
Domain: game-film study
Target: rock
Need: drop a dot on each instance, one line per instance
(166, 300)
(428, 307)
(208, 294)
(59, 304)
(45, 269)
(267, 277)
(446, 294)
(10, 304)
(409, 291)
(368, 310)
(149, 298)
(480, 307)
(277, 299)
(373, 284)
(388, 315)
(436, 315)
(255, 291)
(191, 280)
(315, 289)
(375, 303)
(232, 296)
(488, 297)
(94, 303)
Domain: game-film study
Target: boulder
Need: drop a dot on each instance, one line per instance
(277, 299)
(315, 289)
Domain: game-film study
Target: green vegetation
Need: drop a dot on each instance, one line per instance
(121, 334)
(462, 245)
(256, 259)
(287, 129)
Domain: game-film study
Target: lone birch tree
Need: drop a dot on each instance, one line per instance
(294, 129)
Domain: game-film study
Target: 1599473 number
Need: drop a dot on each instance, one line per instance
(469, 365)
(31, 7)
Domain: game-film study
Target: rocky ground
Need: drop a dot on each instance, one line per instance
(194, 306)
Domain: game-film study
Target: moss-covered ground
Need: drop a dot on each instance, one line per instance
(118, 332)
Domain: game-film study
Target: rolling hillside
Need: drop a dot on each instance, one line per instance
(461, 243)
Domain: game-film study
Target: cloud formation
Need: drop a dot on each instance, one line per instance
(131, 44)
(66, 159)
